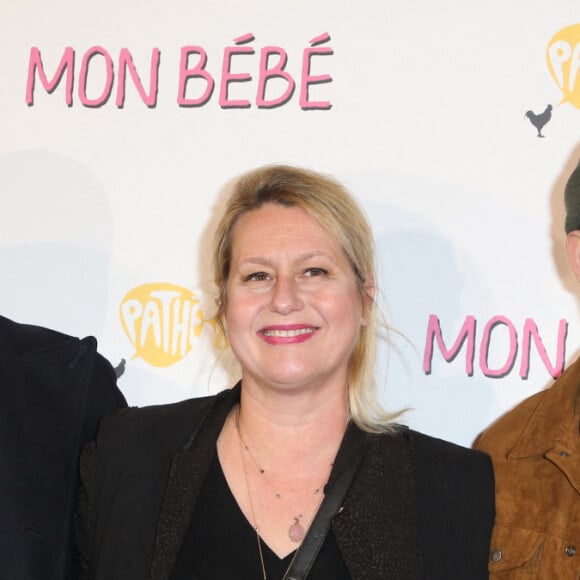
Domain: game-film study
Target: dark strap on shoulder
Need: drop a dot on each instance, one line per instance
(349, 457)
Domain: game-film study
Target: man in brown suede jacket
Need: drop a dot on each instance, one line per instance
(535, 450)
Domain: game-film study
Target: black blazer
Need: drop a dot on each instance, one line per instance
(418, 508)
(54, 389)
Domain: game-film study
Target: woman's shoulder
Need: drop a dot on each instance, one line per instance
(453, 474)
(440, 462)
(133, 416)
(427, 446)
(154, 426)
(438, 450)
(452, 493)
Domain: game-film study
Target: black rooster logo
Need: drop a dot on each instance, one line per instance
(541, 120)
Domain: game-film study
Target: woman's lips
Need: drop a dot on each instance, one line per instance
(287, 334)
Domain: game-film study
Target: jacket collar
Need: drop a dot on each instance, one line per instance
(186, 476)
(542, 432)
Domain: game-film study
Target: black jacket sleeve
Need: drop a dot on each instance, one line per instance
(54, 389)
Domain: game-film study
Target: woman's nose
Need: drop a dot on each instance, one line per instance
(285, 296)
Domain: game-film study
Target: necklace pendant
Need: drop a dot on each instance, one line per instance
(296, 531)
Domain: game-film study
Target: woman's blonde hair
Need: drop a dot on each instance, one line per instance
(329, 203)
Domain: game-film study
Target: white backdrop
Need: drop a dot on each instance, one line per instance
(110, 187)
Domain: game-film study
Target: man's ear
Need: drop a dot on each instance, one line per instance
(573, 249)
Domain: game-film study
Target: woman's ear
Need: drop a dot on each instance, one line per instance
(371, 287)
(370, 290)
(573, 249)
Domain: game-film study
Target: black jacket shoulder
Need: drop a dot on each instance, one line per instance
(165, 427)
(451, 479)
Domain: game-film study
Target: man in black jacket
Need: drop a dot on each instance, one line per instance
(54, 389)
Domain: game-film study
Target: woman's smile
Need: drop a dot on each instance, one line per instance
(289, 334)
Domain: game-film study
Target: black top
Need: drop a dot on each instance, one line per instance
(221, 543)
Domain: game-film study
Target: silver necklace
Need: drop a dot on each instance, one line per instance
(296, 531)
(255, 521)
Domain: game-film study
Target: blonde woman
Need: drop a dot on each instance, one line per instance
(297, 471)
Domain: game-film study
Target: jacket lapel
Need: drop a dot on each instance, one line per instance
(186, 476)
(376, 529)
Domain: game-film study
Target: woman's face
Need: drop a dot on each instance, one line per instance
(293, 309)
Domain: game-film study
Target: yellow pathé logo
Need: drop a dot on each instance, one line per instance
(162, 321)
(563, 56)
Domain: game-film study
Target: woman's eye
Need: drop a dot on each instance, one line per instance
(256, 277)
(316, 272)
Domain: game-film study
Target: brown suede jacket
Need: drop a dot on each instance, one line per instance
(535, 449)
